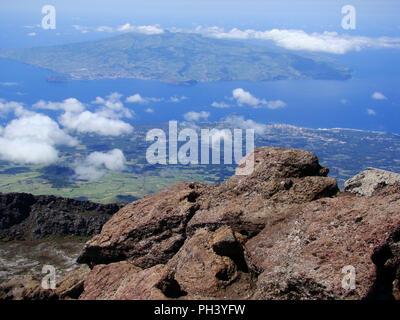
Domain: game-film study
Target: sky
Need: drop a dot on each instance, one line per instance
(374, 17)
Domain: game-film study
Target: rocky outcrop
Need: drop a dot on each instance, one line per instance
(123, 281)
(281, 178)
(147, 232)
(25, 216)
(150, 231)
(196, 233)
(282, 232)
(300, 253)
(371, 181)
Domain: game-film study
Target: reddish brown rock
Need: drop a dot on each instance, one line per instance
(71, 285)
(103, 281)
(282, 232)
(200, 271)
(301, 252)
(147, 232)
(281, 178)
(226, 242)
(123, 281)
(150, 231)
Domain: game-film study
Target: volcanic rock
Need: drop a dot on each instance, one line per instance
(147, 232)
(284, 231)
(123, 281)
(301, 253)
(370, 181)
(202, 272)
(24, 216)
(281, 178)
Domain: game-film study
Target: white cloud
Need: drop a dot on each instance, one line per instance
(32, 34)
(27, 151)
(80, 28)
(149, 30)
(291, 39)
(112, 107)
(104, 29)
(32, 139)
(176, 99)
(196, 116)
(99, 163)
(11, 106)
(330, 42)
(69, 105)
(38, 127)
(243, 97)
(378, 96)
(136, 98)
(276, 104)
(220, 105)
(240, 123)
(141, 29)
(103, 121)
(371, 112)
(89, 122)
(149, 110)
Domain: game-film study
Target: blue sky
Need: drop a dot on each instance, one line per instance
(373, 16)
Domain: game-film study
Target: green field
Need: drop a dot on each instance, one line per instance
(345, 152)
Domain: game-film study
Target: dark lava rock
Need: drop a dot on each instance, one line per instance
(24, 216)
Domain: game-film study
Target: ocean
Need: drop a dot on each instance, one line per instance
(309, 103)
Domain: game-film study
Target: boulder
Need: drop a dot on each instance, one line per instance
(301, 253)
(371, 181)
(147, 232)
(281, 178)
(123, 281)
(201, 272)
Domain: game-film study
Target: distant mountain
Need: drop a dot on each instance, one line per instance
(182, 58)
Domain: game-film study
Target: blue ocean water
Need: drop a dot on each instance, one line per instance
(310, 103)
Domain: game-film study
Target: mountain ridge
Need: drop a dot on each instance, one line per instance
(24, 216)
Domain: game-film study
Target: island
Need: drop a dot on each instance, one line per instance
(179, 58)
